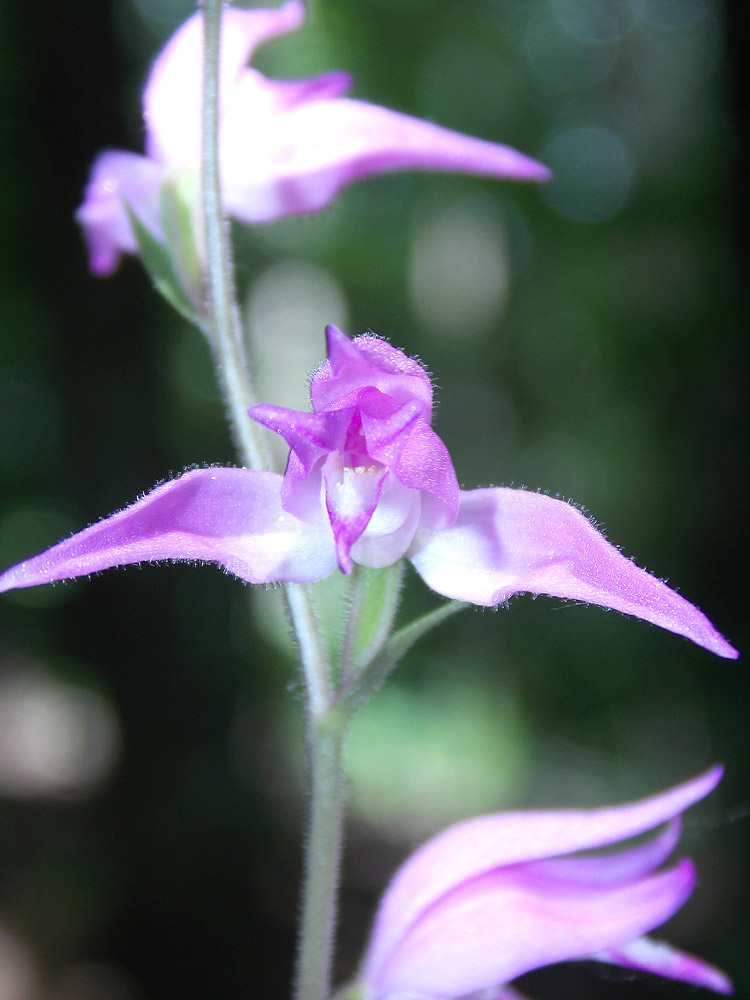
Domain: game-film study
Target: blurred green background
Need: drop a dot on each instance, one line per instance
(587, 339)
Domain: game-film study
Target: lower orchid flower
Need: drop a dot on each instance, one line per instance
(493, 898)
(369, 482)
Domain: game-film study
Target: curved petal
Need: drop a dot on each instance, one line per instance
(228, 516)
(118, 179)
(334, 83)
(664, 960)
(508, 922)
(297, 160)
(357, 363)
(469, 849)
(508, 541)
(609, 869)
(425, 464)
(391, 528)
(398, 436)
(401, 995)
(311, 436)
(172, 98)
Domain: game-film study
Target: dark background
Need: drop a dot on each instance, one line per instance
(611, 369)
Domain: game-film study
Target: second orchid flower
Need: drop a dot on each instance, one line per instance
(369, 482)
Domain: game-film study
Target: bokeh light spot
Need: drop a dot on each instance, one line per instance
(597, 20)
(564, 61)
(291, 303)
(56, 740)
(420, 759)
(458, 272)
(593, 173)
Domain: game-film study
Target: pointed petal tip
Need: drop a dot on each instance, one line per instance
(689, 792)
(537, 172)
(726, 650)
(661, 959)
(333, 335)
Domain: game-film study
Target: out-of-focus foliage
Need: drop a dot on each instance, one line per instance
(587, 339)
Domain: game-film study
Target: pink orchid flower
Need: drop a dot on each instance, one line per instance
(286, 146)
(368, 481)
(493, 898)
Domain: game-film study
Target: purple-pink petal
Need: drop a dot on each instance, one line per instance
(311, 436)
(400, 438)
(332, 84)
(301, 157)
(232, 517)
(507, 922)
(467, 850)
(507, 541)
(362, 362)
(662, 959)
(172, 96)
(118, 180)
(611, 868)
(501, 993)
(391, 528)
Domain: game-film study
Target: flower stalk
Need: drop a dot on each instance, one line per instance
(220, 321)
(322, 857)
(221, 324)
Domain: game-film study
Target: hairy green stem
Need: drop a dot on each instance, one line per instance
(222, 326)
(322, 859)
(222, 322)
(313, 657)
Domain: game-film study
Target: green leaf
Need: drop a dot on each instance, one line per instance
(178, 218)
(372, 608)
(157, 260)
(362, 686)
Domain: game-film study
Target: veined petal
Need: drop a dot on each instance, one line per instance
(468, 850)
(352, 494)
(664, 960)
(172, 98)
(316, 148)
(228, 516)
(507, 541)
(508, 922)
(118, 179)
